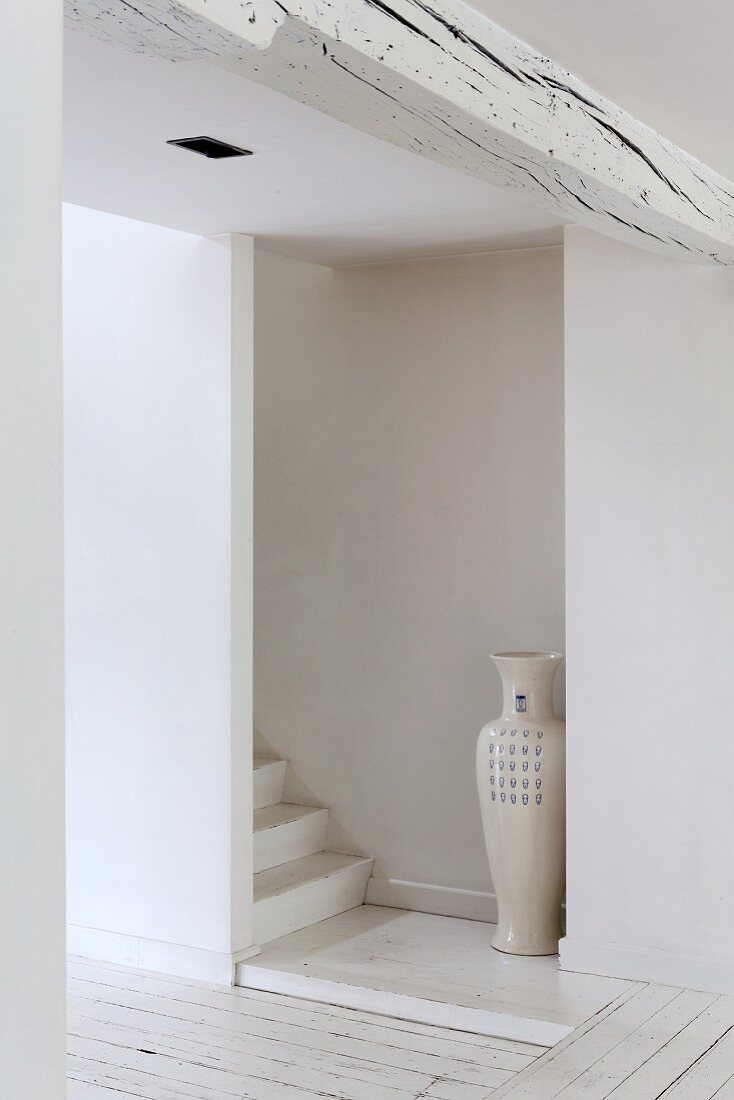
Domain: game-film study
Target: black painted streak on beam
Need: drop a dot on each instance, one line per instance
(723, 190)
(560, 87)
(465, 137)
(531, 77)
(532, 175)
(383, 7)
(689, 200)
(432, 118)
(462, 36)
(651, 164)
(488, 152)
(364, 80)
(400, 19)
(575, 196)
(631, 225)
(159, 23)
(711, 187)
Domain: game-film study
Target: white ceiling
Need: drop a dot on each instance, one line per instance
(318, 190)
(667, 62)
(315, 188)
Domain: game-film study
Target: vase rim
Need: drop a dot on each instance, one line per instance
(528, 655)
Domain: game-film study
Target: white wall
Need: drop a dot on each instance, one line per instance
(408, 522)
(650, 537)
(32, 987)
(159, 766)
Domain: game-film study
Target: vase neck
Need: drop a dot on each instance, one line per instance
(527, 683)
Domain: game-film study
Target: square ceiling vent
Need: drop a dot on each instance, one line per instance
(210, 147)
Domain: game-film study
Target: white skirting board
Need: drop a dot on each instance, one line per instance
(164, 958)
(646, 964)
(422, 897)
(442, 901)
(419, 1010)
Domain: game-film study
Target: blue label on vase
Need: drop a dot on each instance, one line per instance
(521, 704)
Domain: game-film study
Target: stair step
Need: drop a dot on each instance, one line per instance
(307, 891)
(268, 778)
(284, 833)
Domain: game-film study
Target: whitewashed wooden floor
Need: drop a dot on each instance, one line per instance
(375, 958)
(654, 1042)
(133, 1034)
(144, 1035)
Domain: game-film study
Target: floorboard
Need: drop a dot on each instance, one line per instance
(156, 1037)
(146, 1035)
(657, 1043)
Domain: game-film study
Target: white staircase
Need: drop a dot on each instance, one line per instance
(296, 882)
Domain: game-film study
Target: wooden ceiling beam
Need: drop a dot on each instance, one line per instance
(435, 77)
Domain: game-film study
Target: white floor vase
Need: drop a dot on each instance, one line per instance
(521, 775)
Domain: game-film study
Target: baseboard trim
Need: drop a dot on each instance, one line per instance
(399, 1006)
(155, 955)
(646, 964)
(422, 897)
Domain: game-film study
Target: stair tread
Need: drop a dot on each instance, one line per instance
(301, 872)
(282, 813)
(265, 762)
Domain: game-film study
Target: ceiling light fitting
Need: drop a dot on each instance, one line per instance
(210, 147)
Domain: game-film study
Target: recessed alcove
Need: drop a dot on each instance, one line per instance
(408, 521)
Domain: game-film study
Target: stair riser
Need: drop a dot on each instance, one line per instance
(268, 784)
(310, 903)
(292, 840)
